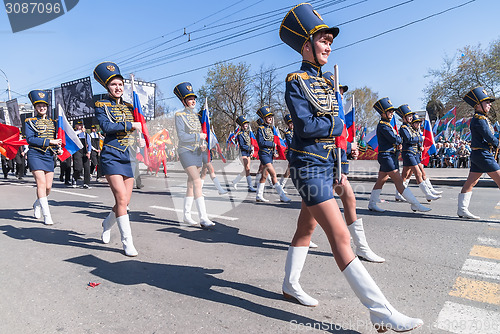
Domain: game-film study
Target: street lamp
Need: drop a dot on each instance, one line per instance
(8, 84)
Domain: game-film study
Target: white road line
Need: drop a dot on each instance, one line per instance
(488, 241)
(70, 193)
(463, 319)
(179, 210)
(486, 269)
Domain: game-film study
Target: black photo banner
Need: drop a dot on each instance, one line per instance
(77, 97)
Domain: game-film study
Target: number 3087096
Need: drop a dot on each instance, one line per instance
(32, 8)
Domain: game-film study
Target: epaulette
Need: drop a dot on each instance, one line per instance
(30, 119)
(128, 104)
(296, 75)
(99, 104)
(479, 116)
(180, 113)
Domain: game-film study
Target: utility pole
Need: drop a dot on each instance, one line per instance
(8, 84)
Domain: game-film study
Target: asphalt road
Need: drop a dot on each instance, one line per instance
(228, 279)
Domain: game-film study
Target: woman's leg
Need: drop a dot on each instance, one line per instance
(465, 196)
(406, 192)
(495, 176)
(43, 186)
(376, 191)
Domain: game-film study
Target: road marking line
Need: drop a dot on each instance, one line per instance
(486, 252)
(70, 193)
(481, 268)
(179, 210)
(479, 291)
(462, 319)
(488, 241)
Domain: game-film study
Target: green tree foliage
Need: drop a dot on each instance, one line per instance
(471, 67)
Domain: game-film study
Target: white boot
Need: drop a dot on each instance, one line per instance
(429, 184)
(235, 181)
(382, 314)
(463, 206)
(312, 245)
(283, 183)
(280, 192)
(202, 212)
(47, 218)
(427, 192)
(37, 209)
(257, 180)
(295, 259)
(270, 181)
(398, 196)
(260, 193)
(359, 239)
(127, 241)
(107, 223)
(415, 204)
(188, 204)
(374, 199)
(250, 186)
(221, 190)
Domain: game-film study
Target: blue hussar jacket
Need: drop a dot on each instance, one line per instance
(265, 139)
(411, 139)
(188, 128)
(314, 112)
(288, 137)
(482, 133)
(115, 119)
(388, 139)
(244, 141)
(39, 132)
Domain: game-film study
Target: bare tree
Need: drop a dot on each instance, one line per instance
(270, 91)
(364, 99)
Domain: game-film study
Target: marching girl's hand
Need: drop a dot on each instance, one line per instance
(137, 126)
(203, 136)
(142, 142)
(55, 142)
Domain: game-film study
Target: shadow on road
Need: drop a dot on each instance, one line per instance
(195, 282)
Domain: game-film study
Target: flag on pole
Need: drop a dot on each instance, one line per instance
(9, 135)
(138, 114)
(280, 144)
(255, 144)
(350, 120)
(429, 143)
(340, 141)
(205, 127)
(372, 140)
(70, 142)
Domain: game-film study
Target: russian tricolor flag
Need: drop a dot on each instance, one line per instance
(280, 144)
(372, 140)
(138, 114)
(350, 120)
(205, 127)
(70, 141)
(253, 141)
(429, 144)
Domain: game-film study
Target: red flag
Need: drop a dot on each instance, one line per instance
(10, 143)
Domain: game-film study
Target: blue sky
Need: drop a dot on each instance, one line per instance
(393, 64)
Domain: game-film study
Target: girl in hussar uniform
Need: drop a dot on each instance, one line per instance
(246, 151)
(314, 112)
(410, 152)
(484, 147)
(43, 145)
(118, 153)
(265, 139)
(192, 144)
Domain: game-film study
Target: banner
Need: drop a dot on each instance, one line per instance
(50, 113)
(58, 99)
(146, 93)
(13, 108)
(77, 97)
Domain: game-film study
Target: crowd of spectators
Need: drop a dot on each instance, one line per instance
(451, 154)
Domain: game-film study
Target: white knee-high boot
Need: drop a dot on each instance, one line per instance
(295, 259)
(415, 204)
(37, 209)
(123, 223)
(221, 190)
(463, 206)
(374, 199)
(236, 180)
(107, 223)
(429, 196)
(382, 314)
(249, 183)
(260, 193)
(47, 218)
(358, 237)
(398, 196)
(188, 204)
(280, 192)
(431, 187)
(202, 212)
